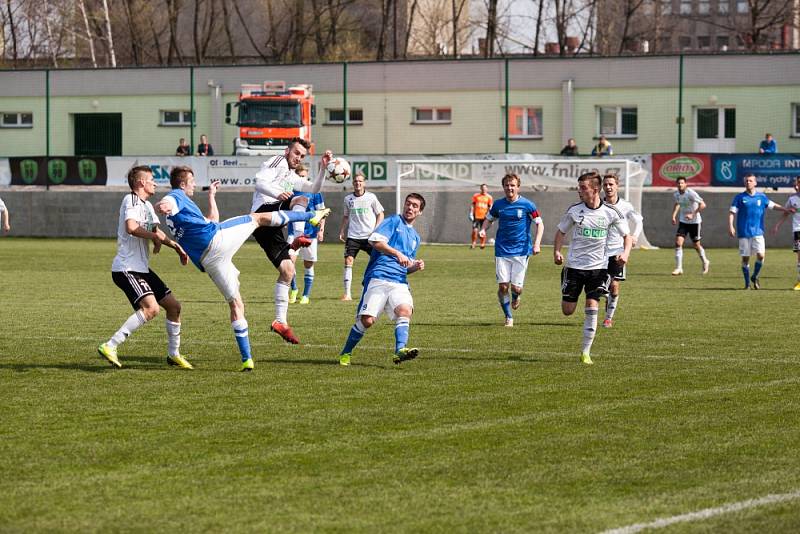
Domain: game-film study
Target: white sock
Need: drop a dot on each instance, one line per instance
(299, 226)
(281, 301)
(128, 327)
(173, 337)
(348, 277)
(702, 253)
(589, 328)
(611, 305)
(679, 258)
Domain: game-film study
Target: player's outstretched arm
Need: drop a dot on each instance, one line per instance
(316, 186)
(213, 211)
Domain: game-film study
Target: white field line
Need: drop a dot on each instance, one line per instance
(700, 515)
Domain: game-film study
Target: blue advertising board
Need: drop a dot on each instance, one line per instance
(774, 170)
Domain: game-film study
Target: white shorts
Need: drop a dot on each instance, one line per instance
(749, 246)
(218, 257)
(511, 269)
(381, 296)
(308, 253)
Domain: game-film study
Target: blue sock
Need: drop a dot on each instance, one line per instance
(401, 333)
(242, 338)
(757, 268)
(308, 281)
(505, 304)
(356, 333)
(746, 273)
(294, 283)
(292, 216)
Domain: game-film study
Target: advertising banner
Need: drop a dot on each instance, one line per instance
(118, 168)
(696, 168)
(773, 170)
(66, 170)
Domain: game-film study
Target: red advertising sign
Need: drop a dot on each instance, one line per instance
(696, 168)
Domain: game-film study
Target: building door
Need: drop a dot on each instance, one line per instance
(98, 134)
(714, 129)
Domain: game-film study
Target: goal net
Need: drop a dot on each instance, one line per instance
(542, 174)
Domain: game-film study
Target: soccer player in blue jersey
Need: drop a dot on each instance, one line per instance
(513, 244)
(211, 244)
(394, 251)
(748, 208)
(315, 234)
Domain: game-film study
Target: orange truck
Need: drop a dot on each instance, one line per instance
(270, 114)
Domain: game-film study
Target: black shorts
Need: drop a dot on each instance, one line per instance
(615, 270)
(691, 230)
(573, 281)
(273, 238)
(477, 224)
(136, 286)
(796, 246)
(352, 246)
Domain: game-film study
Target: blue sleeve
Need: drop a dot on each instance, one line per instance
(386, 228)
(493, 211)
(735, 203)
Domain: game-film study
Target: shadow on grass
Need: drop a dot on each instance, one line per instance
(517, 323)
(331, 362)
(87, 367)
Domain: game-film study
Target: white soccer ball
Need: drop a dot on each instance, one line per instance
(338, 170)
(491, 241)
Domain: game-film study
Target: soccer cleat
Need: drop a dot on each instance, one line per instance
(608, 323)
(248, 365)
(756, 283)
(109, 353)
(293, 296)
(677, 272)
(319, 216)
(347, 298)
(405, 354)
(344, 359)
(586, 359)
(509, 322)
(300, 242)
(285, 331)
(515, 302)
(304, 300)
(705, 266)
(797, 286)
(179, 361)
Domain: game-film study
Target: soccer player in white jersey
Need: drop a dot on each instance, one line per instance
(211, 244)
(513, 245)
(316, 234)
(616, 271)
(363, 213)
(689, 205)
(393, 258)
(275, 186)
(589, 222)
(793, 205)
(130, 270)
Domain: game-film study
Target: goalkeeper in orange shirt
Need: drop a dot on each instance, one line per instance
(481, 204)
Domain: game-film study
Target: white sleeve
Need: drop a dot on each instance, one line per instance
(172, 203)
(635, 221)
(377, 207)
(622, 225)
(267, 182)
(772, 205)
(378, 237)
(566, 223)
(2, 205)
(301, 184)
(696, 197)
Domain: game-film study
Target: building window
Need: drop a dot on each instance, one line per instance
(686, 7)
(723, 6)
(742, 6)
(703, 42)
(354, 116)
(684, 42)
(432, 116)
(524, 122)
(666, 7)
(704, 7)
(617, 121)
(16, 119)
(171, 117)
(723, 41)
(796, 120)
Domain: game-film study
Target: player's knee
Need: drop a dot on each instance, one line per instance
(367, 321)
(348, 260)
(568, 308)
(516, 289)
(286, 270)
(502, 287)
(149, 310)
(299, 201)
(404, 310)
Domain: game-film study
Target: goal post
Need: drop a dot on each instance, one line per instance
(454, 174)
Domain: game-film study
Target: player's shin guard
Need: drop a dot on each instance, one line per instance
(299, 226)
(282, 217)
(611, 305)
(356, 333)
(679, 257)
(308, 281)
(241, 332)
(757, 268)
(173, 338)
(746, 274)
(401, 333)
(505, 303)
(281, 300)
(128, 327)
(589, 329)
(348, 277)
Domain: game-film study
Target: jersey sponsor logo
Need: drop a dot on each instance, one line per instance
(519, 214)
(593, 233)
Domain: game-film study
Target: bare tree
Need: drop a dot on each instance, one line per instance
(457, 8)
(109, 34)
(12, 27)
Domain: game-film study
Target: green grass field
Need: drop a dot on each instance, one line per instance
(692, 403)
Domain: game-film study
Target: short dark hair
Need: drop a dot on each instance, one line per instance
(299, 141)
(136, 172)
(591, 175)
(179, 175)
(511, 176)
(680, 178)
(418, 197)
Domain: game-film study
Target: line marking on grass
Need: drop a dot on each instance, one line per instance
(707, 513)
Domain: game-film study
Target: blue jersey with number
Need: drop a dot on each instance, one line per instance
(750, 210)
(191, 229)
(315, 202)
(401, 237)
(514, 228)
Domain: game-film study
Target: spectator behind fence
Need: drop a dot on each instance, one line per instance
(768, 145)
(602, 148)
(204, 149)
(570, 149)
(183, 148)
